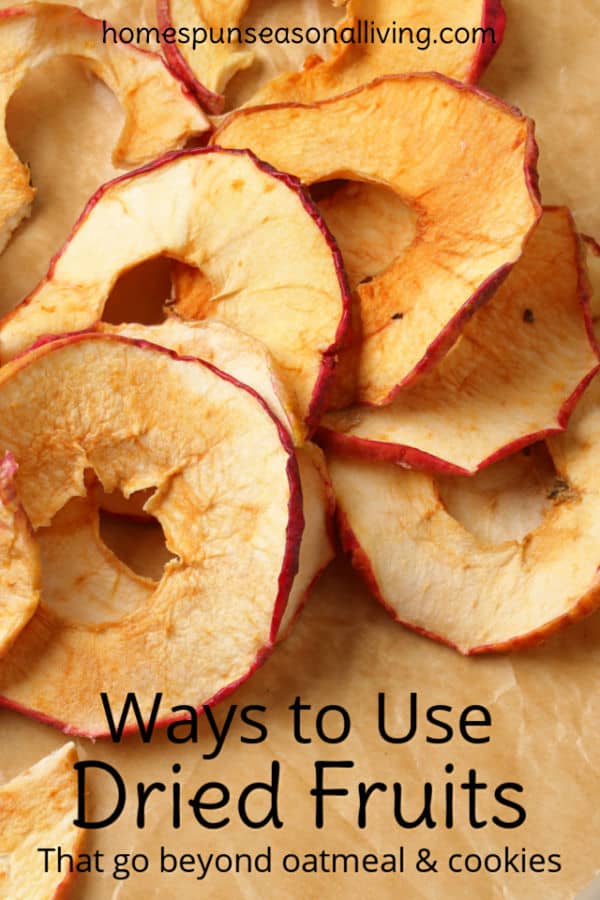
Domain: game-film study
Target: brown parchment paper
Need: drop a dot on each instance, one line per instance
(545, 704)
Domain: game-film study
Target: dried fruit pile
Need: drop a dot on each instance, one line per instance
(364, 264)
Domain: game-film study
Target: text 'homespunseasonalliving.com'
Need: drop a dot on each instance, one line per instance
(362, 31)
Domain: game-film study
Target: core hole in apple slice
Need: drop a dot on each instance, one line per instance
(95, 571)
(371, 223)
(508, 499)
(140, 294)
(139, 543)
(431, 565)
(476, 199)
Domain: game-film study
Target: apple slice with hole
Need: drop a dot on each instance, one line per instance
(246, 360)
(411, 539)
(274, 270)
(19, 559)
(475, 202)
(226, 493)
(159, 115)
(37, 809)
(512, 378)
(270, 72)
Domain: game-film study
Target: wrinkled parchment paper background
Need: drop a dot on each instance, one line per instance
(545, 704)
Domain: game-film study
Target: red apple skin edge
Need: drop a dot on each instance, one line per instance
(451, 331)
(592, 243)
(329, 355)
(213, 103)
(587, 604)
(494, 16)
(289, 565)
(332, 535)
(19, 10)
(63, 890)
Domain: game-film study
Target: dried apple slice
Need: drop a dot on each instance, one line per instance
(249, 362)
(227, 496)
(427, 42)
(159, 115)
(19, 559)
(274, 271)
(475, 202)
(37, 809)
(512, 378)
(453, 584)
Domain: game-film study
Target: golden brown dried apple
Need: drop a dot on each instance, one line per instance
(512, 378)
(226, 493)
(249, 362)
(159, 115)
(85, 581)
(37, 809)
(474, 198)
(19, 559)
(274, 271)
(368, 43)
(467, 587)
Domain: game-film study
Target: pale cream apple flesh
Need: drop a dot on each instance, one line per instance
(37, 809)
(20, 578)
